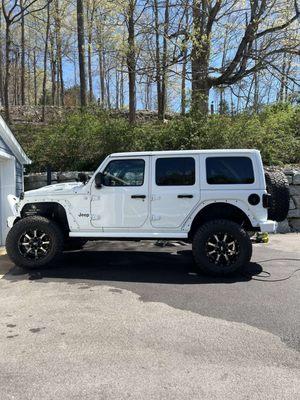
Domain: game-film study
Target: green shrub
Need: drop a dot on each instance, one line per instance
(83, 140)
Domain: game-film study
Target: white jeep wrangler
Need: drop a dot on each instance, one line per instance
(211, 198)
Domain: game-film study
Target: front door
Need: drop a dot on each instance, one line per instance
(175, 189)
(123, 199)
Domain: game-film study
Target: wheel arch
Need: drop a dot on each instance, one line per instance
(51, 210)
(220, 210)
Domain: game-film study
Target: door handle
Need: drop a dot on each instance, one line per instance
(185, 196)
(138, 196)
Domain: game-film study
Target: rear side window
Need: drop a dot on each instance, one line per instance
(175, 171)
(229, 170)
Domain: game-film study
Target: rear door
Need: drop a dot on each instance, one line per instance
(175, 189)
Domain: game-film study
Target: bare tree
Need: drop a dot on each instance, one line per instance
(131, 60)
(1, 63)
(13, 12)
(90, 11)
(81, 52)
(60, 77)
(183, 102)
(164, 61)
(100, 50)
(45, 60)
(245, 60)
(22, 54)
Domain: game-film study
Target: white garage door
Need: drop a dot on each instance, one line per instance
(7, 186)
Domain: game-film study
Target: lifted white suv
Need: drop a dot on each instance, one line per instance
(211, 198)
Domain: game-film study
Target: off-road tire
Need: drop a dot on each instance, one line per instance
(221, 227)
(42, 224)
(71, 244)
(278, 187)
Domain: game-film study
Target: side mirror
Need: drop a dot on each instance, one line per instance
(82, 177)
(99, 178)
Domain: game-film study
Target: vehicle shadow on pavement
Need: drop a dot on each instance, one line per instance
(131, 266)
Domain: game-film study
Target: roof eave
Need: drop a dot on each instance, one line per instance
(13, 144)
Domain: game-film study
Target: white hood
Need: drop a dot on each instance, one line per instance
(58, 188)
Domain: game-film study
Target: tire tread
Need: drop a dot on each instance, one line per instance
(33, 221)
(212, 226)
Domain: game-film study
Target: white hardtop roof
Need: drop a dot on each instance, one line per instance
(9, 139)
(182, 152)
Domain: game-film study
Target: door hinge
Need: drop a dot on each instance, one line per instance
(95, 217)
(155, 197)
(155, 217)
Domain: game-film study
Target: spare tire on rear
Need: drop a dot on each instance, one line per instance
(278, 187)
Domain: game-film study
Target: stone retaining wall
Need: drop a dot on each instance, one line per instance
(292, 224)
(33, 114)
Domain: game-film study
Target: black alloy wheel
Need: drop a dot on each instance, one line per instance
(221, 247)
(34, 242)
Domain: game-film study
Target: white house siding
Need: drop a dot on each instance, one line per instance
(19, 178)
(12, 159)
(19, 168)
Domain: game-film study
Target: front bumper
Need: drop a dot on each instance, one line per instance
(268, 226)
(10, 221)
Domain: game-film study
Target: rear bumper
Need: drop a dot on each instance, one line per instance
(268, 226)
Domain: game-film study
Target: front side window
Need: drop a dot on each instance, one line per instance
(229, 170)
(124, 173)
(175, 171)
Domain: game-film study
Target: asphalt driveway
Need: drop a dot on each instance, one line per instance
(134, 321)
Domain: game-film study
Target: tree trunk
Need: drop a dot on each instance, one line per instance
(15, 87)
(45, 61)
(288, 69)
(147, 93)
(200, 87)
(200, 59)
(131, 62)
(107, 87)
(81, 52)
(157, 61)
(117, 89)
(91, 94)
(29, 78)
(23, 82)
(122, 85)
(60, 77)
(184, 64)
(7, 71)
(101, 76)
(75, 69)
(53, 69)
(35, 78)
(283, 78)
(183, 85)
(90, 19)
(1, 64)
(164, 64)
